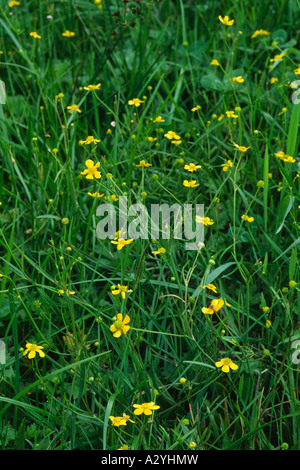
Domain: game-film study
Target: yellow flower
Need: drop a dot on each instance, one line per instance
(90, 139)
(226, 365)
(13, 3)
(260, 32)
(121, 290)
(297, 71)
(111, 198)
(204, 220)
(121, 242)
(215, 62)
(182, 380)
(172, 135)
(143, 163)
(151, 139)
(68, 292)
(215, 306)
(159, 119)
(238, 79)
(278, 57)
(98, 195)
(196, 108)
(231, 114)
(227, 165)
(241, 148)
(285, 158)
(159, 251)
(124, 447)
(190, 184)
(210, 287)
(91, 170)
(273, 80)
(289, 159)
(176, 142)
(73, 108)
(192, 445)
(268, 324)
(59, 97)
(92, 87)
(35, 35)
(136, 102)
(120, 326)
(120, 420)
(33, 349)
(226, 20)
(247, 219)
(192, 167)
(145, 408)
(68, 34)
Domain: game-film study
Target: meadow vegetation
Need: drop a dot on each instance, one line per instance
(142, 344)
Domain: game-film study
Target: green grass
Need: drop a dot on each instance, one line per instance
(159, 52)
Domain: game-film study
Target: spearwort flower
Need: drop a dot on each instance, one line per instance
(143, 163)
(33, 349)
(204, 220)
(136, 102)
(227, 165)
(35, 35)
(92, 170)
(230, 114)
(121, 290)
(159, 251)
(120, 326)
(210, 287)
(215, 306)
(172, 135)
(121, 242)
(68, 34)
(120, 420)
(192, 167)
(92, 87)
(190, 184)
(196, 108)
(238, 79)
(226, 365)
(246, 218)
(226, 21)
(74, 108)
(89, 140)
(67, 292)
(260, 32)
(241, 148)
(145, 408)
